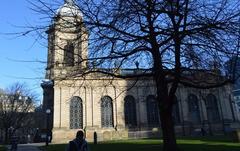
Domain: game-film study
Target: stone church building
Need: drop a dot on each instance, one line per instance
(112, 108)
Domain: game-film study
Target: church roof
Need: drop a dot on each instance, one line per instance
(69, 9)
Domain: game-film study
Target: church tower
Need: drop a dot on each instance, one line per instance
(67, 42)
(114, 109)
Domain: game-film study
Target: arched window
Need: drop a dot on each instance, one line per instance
(130, 111)
(152, 111)
(193, 108)
(76, 113)
(175, 112)
(212, 108)
(69, 54)
(106, 111)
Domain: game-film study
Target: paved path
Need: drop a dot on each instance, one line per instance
(28, 147)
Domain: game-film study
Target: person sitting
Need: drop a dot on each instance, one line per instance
(79, 143)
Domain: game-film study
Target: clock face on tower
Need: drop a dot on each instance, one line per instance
(68, 24)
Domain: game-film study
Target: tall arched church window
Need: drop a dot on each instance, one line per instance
(130, 111)
(175, 112)
(76, 113)
(212, 108)
(152, 111)
(69, 54)
(193, 108)
(106, 112)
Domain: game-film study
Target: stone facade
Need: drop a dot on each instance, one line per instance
(90, 91)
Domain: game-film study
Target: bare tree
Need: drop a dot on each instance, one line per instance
(176, 42)
(16, 104)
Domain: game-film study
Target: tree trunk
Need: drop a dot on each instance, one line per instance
(165, 105)
(169, 138)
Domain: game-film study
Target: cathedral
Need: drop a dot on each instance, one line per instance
(114, 109)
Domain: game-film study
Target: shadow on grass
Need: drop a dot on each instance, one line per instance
(2, 148)
(219, 138)
(110, 147)
(207, 147)
(154, 145)
(158, 147)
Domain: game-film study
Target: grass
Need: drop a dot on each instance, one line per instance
(2, 148)
(185, 144)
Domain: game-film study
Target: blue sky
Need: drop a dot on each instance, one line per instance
(18, 13)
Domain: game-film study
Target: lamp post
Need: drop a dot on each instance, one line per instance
(48, 112)
(10, 132)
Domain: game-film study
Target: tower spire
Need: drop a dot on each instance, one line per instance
(71, 2)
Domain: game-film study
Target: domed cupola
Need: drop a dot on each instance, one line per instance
(69, 9)
(67, 41)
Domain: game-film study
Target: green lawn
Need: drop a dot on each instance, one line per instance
(2, 148)
(186, 144)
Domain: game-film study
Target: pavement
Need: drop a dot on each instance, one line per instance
(28, 147)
